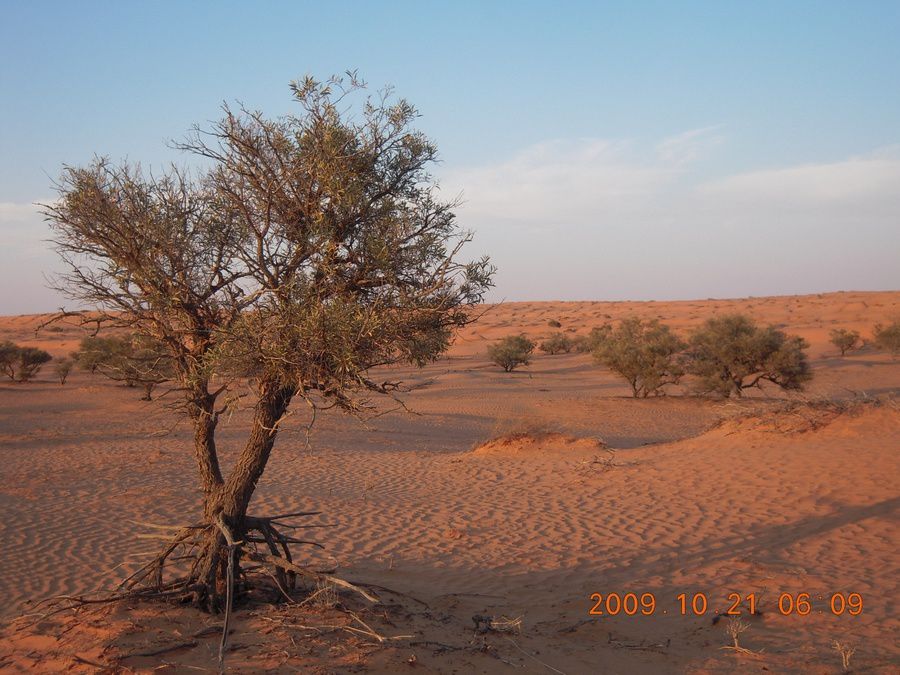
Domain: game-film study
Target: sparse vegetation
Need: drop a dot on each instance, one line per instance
(511, 352)
(62, 368)
(888, 337)
(730, 353)
(558, 343)
(553, 323)
(845, 339)
(645, 353)
(22, 364)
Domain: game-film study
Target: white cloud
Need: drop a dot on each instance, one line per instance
(15, 212)
(813, 185)
(689, 146)
(595, 218)
(558, 182)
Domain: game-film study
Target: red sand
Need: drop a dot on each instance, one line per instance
(609, 495)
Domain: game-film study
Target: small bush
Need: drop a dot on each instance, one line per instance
(588, 344)
(62, 369)
(845, 340)
(888, 337)
(730, 353)
(558, 343)
(511, 352)
(646, 354)
(553, 323)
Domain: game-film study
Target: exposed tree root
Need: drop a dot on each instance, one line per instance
(193, 563)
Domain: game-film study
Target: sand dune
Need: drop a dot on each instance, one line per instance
(515, 495)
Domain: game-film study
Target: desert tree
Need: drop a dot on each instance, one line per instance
(646, 353)
(9, 353)
(558, 343)
(135, 359)
(511, 352)
(30, 362)
(95, 350)
(312, 249)
(730, 353)
(887, 337)
(22, 364)
(62, 368)
(845, 339)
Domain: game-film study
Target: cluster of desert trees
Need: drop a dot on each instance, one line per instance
(311, 249)
(726, 355)
(134, 360)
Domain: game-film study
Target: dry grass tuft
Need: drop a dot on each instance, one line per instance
(734, 629)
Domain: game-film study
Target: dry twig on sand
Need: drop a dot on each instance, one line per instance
(846, 650)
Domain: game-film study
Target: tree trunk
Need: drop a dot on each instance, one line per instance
(205, 422)
(232, 497)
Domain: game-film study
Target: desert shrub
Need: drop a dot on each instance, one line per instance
(62, 368)
(588, 344)
(730, 353)
(553, 323)
(511, 352)
(645, 353)
(558, 343)
(888, 337)
(28, 362)
(846, 340)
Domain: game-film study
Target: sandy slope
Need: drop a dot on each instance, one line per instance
(799, 501)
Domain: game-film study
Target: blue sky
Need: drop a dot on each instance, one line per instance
(631, 150)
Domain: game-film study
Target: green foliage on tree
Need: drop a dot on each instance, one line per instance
(846, 340)
(887, 337)
(511, 352)
(730, 353)
(645, 353)
(558, 343)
